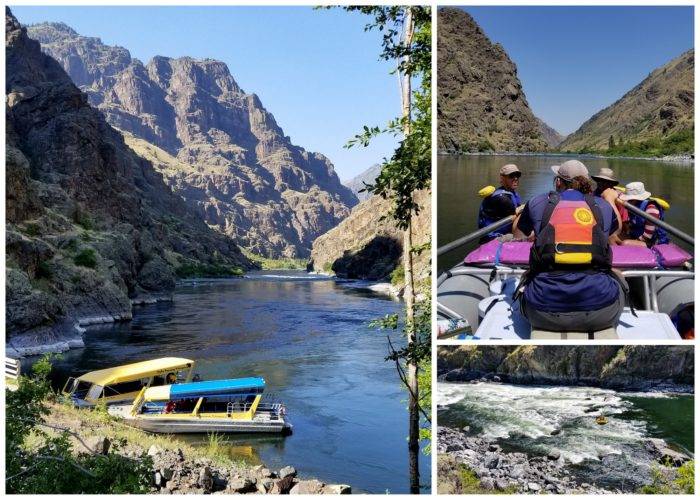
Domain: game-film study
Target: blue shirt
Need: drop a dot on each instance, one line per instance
(565, 291)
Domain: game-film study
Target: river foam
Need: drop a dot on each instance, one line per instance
(542, 419)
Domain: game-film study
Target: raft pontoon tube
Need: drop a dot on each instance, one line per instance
(474, 299)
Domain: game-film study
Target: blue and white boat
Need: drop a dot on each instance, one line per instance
(231, 405)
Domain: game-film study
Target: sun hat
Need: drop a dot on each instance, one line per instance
(570, 169)
(606, 174)
(635, 191)
(508, 169)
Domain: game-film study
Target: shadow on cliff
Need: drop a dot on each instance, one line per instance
(376, 260)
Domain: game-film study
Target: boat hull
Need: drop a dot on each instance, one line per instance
(262, 423)
(171, 426)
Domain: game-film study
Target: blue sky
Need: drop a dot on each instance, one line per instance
(316, 71)
(575, 61)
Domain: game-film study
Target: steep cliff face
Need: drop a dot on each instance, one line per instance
(481, 104)
(89, 223)
(365, 247)
(661, 105)
(236, 166)
(631, 367)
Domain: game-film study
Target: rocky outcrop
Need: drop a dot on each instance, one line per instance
(224, 153)
(480, 100)
(496, 470)
(358, 183)
(90, 225)
(619, 367)
(661, 105)
(364, 246)
(551, 136)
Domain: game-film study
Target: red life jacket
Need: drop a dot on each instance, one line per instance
(571, 237)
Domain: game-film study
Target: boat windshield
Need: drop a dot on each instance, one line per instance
(79, 389)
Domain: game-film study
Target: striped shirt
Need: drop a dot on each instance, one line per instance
(650, 228)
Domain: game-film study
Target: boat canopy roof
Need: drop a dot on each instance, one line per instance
(135, 371)
(226, 387)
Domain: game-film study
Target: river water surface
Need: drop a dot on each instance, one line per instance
(461, 177)
(539, 419)
(308, 337)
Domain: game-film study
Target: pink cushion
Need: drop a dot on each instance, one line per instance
(484, 254)
(671, 255)
(516, 252)
(633, 256)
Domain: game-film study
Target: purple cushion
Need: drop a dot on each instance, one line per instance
(671, 255)
(633, 256)
(516, 252)
(485, 254)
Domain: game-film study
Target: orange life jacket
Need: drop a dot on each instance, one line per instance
(571, 234)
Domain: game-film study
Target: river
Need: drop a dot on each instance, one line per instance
(523, 418)
(460, 177)
(308, 336)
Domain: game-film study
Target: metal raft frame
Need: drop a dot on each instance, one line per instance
(651, 299)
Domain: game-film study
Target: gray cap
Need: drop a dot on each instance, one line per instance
(570, 169)
(509, 169)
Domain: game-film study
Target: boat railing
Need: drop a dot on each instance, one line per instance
(648, 276)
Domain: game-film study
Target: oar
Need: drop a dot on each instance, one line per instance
(663, 225)
(476, 234)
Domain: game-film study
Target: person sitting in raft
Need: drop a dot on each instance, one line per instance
(639, 230)
(605, 188)
(501, 203)
(570, 285)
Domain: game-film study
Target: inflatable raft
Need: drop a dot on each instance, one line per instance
(475, 297)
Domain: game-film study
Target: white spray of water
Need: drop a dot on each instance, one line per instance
(533, 413)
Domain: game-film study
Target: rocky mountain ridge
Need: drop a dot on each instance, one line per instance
(90, 226)
(481, 103)
(622, 367)
(235, 165)
(659, 106)
(551, 136)
(357, 183)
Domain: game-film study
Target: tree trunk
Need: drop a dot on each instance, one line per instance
(409, 293)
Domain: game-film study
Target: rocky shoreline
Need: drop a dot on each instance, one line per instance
(683, 158)
(512, 472)
(635, 368)
(68, 333)
(179, 469)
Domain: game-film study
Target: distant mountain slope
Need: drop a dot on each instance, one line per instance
(481, 104)
(661, 105)
(365, 247)
(236, 166)
(550, 135)
(358, 182)
(90, 225)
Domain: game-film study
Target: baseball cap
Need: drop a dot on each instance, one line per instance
(508, 169)
(570, 169)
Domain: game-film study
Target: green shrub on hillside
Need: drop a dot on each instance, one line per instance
(202, 270)
(397, 276)
(682, 142)
(39, 463)
(86, 258)
(672, 481)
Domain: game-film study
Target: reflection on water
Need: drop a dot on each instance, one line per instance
(308, 337)
(460, 177)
